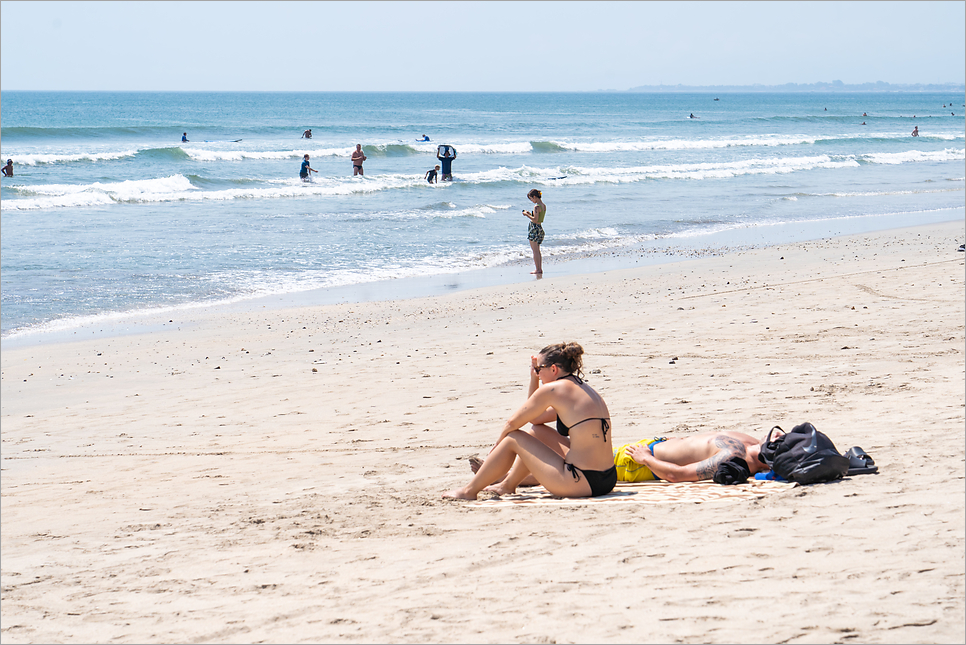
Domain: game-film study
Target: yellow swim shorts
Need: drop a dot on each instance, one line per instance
(629, 470)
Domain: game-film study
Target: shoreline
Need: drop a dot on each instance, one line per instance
(203, 483)
(663, 250)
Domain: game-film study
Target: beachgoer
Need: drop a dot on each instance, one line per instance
(307, 134)
(357, 158)
(581, 415)
(306, 169)
(425, 138)
(674, 459)
(535, 230)
(8, 169)
(915, 131)
(449, 153)
(864, 114)
(692, 116)
(863, 123)
(431, 175)
(184, 137)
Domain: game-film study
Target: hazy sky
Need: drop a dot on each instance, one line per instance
(466, 46)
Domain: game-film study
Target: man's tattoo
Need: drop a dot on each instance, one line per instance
(729, 447)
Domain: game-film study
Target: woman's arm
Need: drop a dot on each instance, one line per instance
(536, 408)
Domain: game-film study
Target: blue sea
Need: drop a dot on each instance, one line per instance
(109, 215)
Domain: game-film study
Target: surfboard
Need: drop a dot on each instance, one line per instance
(221, 141)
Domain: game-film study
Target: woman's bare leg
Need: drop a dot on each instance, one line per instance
(519, 475)
(537, 257)
(541, 460)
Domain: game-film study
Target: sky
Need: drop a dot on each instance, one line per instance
(473, 46)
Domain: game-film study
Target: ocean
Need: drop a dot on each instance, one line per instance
(110, 216)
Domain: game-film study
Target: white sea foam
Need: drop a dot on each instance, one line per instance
(179, 188)
(681, 144)
(571, 175)
(200, 154)
(894, 158)
(519, 147)
(605, 233)
(34, 159)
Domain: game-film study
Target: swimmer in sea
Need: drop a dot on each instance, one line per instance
(307, 134)
(358, 156)
(431, 175)
(915, 131)
(8, 169)
(184, 137)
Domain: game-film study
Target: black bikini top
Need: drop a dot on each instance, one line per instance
(564, 431)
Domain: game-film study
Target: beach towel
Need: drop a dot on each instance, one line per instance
(652, 492)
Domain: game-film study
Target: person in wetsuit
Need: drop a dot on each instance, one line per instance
(449, 153)
(581, 416)
(431, 175)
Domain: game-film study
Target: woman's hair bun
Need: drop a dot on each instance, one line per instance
(565, 355)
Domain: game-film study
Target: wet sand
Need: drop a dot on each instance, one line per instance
(275, 475)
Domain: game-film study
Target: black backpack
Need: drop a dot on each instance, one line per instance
(803, 455)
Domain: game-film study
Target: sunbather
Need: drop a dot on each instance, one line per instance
(587, 467)
(674, 459)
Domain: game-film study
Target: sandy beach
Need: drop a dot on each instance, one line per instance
(276, 475)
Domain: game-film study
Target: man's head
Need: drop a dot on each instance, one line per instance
(358, 146)
(306, 157)
(732, 471)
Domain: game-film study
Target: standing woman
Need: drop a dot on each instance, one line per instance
(588, 469)
(535, 231)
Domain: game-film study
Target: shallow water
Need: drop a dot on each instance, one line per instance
(109, 212)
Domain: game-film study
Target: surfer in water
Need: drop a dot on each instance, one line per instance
(184, 137)
(449, 153)
(425, 138)
(306, 169)
(432, 174)
(692, 116)
(307, 134)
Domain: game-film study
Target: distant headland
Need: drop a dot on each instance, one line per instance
(833, 86)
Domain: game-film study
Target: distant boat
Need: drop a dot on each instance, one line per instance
(716, 98)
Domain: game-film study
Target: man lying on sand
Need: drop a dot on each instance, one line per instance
(673, 459)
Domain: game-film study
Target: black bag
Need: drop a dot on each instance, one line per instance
(803, 455)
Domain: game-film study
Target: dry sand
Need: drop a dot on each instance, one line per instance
(204, 483)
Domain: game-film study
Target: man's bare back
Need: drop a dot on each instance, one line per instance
(697, 457)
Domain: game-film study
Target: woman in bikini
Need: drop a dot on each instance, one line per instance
(535, 230)
(583, 466)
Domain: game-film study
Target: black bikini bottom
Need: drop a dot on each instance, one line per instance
(601, 481)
